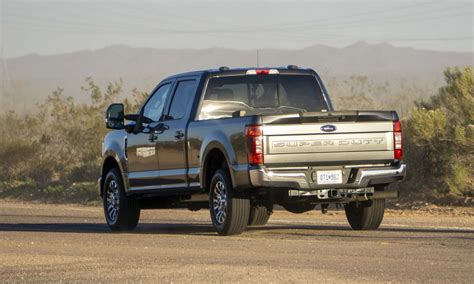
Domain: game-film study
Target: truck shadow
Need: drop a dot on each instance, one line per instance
(207, 229)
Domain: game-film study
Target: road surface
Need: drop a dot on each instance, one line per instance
(41, 242)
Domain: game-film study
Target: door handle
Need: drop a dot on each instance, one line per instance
(179, 134)
(153, 136)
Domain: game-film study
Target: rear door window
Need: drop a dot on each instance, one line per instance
(182, 99)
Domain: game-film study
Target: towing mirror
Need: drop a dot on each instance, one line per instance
(114, 116)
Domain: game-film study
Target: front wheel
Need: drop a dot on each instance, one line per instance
(365, 215)
(121, 212)
(229, 209)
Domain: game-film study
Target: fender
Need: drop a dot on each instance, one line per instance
(217, 140)
(112, 148)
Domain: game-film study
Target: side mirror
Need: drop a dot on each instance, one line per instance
(114, 116)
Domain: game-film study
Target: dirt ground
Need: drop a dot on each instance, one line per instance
(40, 242)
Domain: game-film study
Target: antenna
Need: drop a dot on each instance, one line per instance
(258, 59)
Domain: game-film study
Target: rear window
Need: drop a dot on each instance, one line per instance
(261, 94)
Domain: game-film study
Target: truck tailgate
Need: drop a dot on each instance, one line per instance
(333, 138)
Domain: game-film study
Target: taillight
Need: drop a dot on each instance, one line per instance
(262, 72)
(254, 135)
(397, 140)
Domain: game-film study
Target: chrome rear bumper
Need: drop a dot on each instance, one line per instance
(302, 178)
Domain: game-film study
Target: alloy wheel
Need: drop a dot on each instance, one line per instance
(219, 202)
(112, 201)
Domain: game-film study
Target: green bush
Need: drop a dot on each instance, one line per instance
(53, 150)
(439, 138)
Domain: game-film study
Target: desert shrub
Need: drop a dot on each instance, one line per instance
(60, 145)
(359, 92)
(440, 138)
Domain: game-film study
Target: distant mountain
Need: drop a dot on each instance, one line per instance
(33, 77)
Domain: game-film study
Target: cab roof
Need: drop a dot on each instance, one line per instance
(290, 69)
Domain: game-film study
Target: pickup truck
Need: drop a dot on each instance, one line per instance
(239, 141)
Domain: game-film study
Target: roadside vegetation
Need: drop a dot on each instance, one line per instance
(439, 140)
(54, 154)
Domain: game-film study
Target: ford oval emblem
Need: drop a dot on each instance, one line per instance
(328, 128)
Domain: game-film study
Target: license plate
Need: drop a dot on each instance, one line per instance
(329, 177)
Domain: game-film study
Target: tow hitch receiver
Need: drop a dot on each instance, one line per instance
(344, 193)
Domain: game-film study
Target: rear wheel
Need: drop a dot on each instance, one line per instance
(121, 212)
(229, 209)
(365, 215)
(259, 215)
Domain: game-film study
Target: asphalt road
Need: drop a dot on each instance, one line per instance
(72, 243)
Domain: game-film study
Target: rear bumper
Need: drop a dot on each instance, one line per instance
(302, 178)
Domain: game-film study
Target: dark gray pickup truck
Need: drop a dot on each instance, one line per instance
(239, 141)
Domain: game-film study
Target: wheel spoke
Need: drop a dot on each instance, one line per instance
(112, 200)
(219, 202)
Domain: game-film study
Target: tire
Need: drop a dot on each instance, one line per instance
(259, 215)
(366, 216)
(229, 209)
(299, 208)
(121, 212)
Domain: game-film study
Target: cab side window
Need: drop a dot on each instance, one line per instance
(181, 99)
(154, 107)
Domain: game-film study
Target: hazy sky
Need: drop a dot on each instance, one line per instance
(49, 27)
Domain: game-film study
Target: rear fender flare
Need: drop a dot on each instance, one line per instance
(220, 142)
